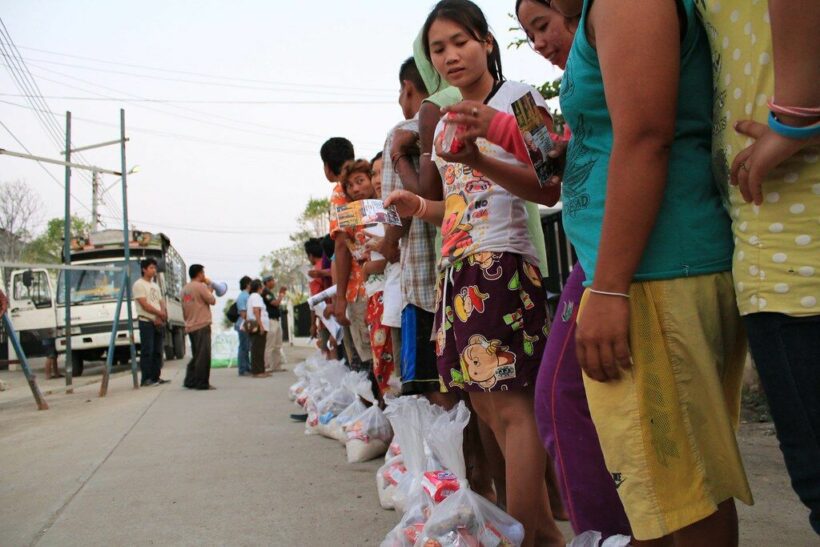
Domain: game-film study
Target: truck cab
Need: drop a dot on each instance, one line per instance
(32, 310)
(94, 294)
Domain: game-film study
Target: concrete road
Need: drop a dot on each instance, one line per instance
(167, 466)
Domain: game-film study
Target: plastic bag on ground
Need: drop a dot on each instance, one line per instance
(408, 531)
(592, 538)
(407, 415)
(464, 517)
(331, 406)
(336, 429)
(368, 436)
(387, 478)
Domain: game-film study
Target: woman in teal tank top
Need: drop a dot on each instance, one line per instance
(658, 334)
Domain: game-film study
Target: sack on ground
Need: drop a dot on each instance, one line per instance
(369, 436)
(464, 517)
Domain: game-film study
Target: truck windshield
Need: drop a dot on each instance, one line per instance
(94, 286)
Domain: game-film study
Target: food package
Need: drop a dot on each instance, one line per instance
(408, 531)
(450, 141)
(464, 518)
(331, 406)
(297, 388)
(395, 448)
(368, 436)
(387, 478)
(336, 429)
(439, 484)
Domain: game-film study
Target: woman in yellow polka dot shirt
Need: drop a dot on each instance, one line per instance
(774, 201)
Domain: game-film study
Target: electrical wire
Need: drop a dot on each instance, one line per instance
(306, 90)
(29, 86)
(205, 75)
(135, 99)
(202, 229)
(191, 138)
(49, 173)
(209, 101)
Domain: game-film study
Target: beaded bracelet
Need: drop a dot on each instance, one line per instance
(790, 132)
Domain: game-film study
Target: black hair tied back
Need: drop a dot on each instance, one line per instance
(468, 15)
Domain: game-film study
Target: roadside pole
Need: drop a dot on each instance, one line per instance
(125, 233)
(30, 378)
(67, 256)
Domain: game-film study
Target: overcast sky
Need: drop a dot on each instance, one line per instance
(225, 171)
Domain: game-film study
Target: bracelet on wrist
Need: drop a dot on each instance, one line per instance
(608, 293)
(422, 209)
(796, 111)
(791, 132)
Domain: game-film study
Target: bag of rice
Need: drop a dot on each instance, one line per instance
(336, 428)
(368, 436)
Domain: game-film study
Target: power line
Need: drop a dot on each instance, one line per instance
(49, 173)
(289, 133)
(134, 99)
(207, 101)
(305, 90)
(224, 231)
(204, 75)
(25, 80)
(180, 136)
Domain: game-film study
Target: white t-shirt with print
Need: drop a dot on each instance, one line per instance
(255, 301)
(481, 216)
(153, 296)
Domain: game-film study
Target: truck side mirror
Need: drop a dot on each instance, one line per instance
(28, 278)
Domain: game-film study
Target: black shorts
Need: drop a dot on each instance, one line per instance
(49, 347)
(419, 373)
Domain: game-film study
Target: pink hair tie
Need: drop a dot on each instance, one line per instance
(796, 111)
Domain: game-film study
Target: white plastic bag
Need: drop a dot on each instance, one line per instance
(368, 436)
(591, 538)
(408, 531)
(464, 517)
(387, 478)
(407, 415)
(337, 427)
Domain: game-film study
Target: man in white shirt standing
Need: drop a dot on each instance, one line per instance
(152, 316)
(257, 326)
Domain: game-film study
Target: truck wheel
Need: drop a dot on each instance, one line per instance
(179, 343)
(76, 363)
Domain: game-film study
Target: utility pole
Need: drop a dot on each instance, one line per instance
(67, 255)
(95, 200)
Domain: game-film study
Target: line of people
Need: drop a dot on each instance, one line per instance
(695, 223)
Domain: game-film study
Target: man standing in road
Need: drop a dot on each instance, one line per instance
(244, 357)
(197, 299)
(152, 316)
(273, 340)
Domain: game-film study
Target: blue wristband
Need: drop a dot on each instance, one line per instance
(798, 133)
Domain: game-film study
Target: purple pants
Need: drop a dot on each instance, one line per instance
(566, 428)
